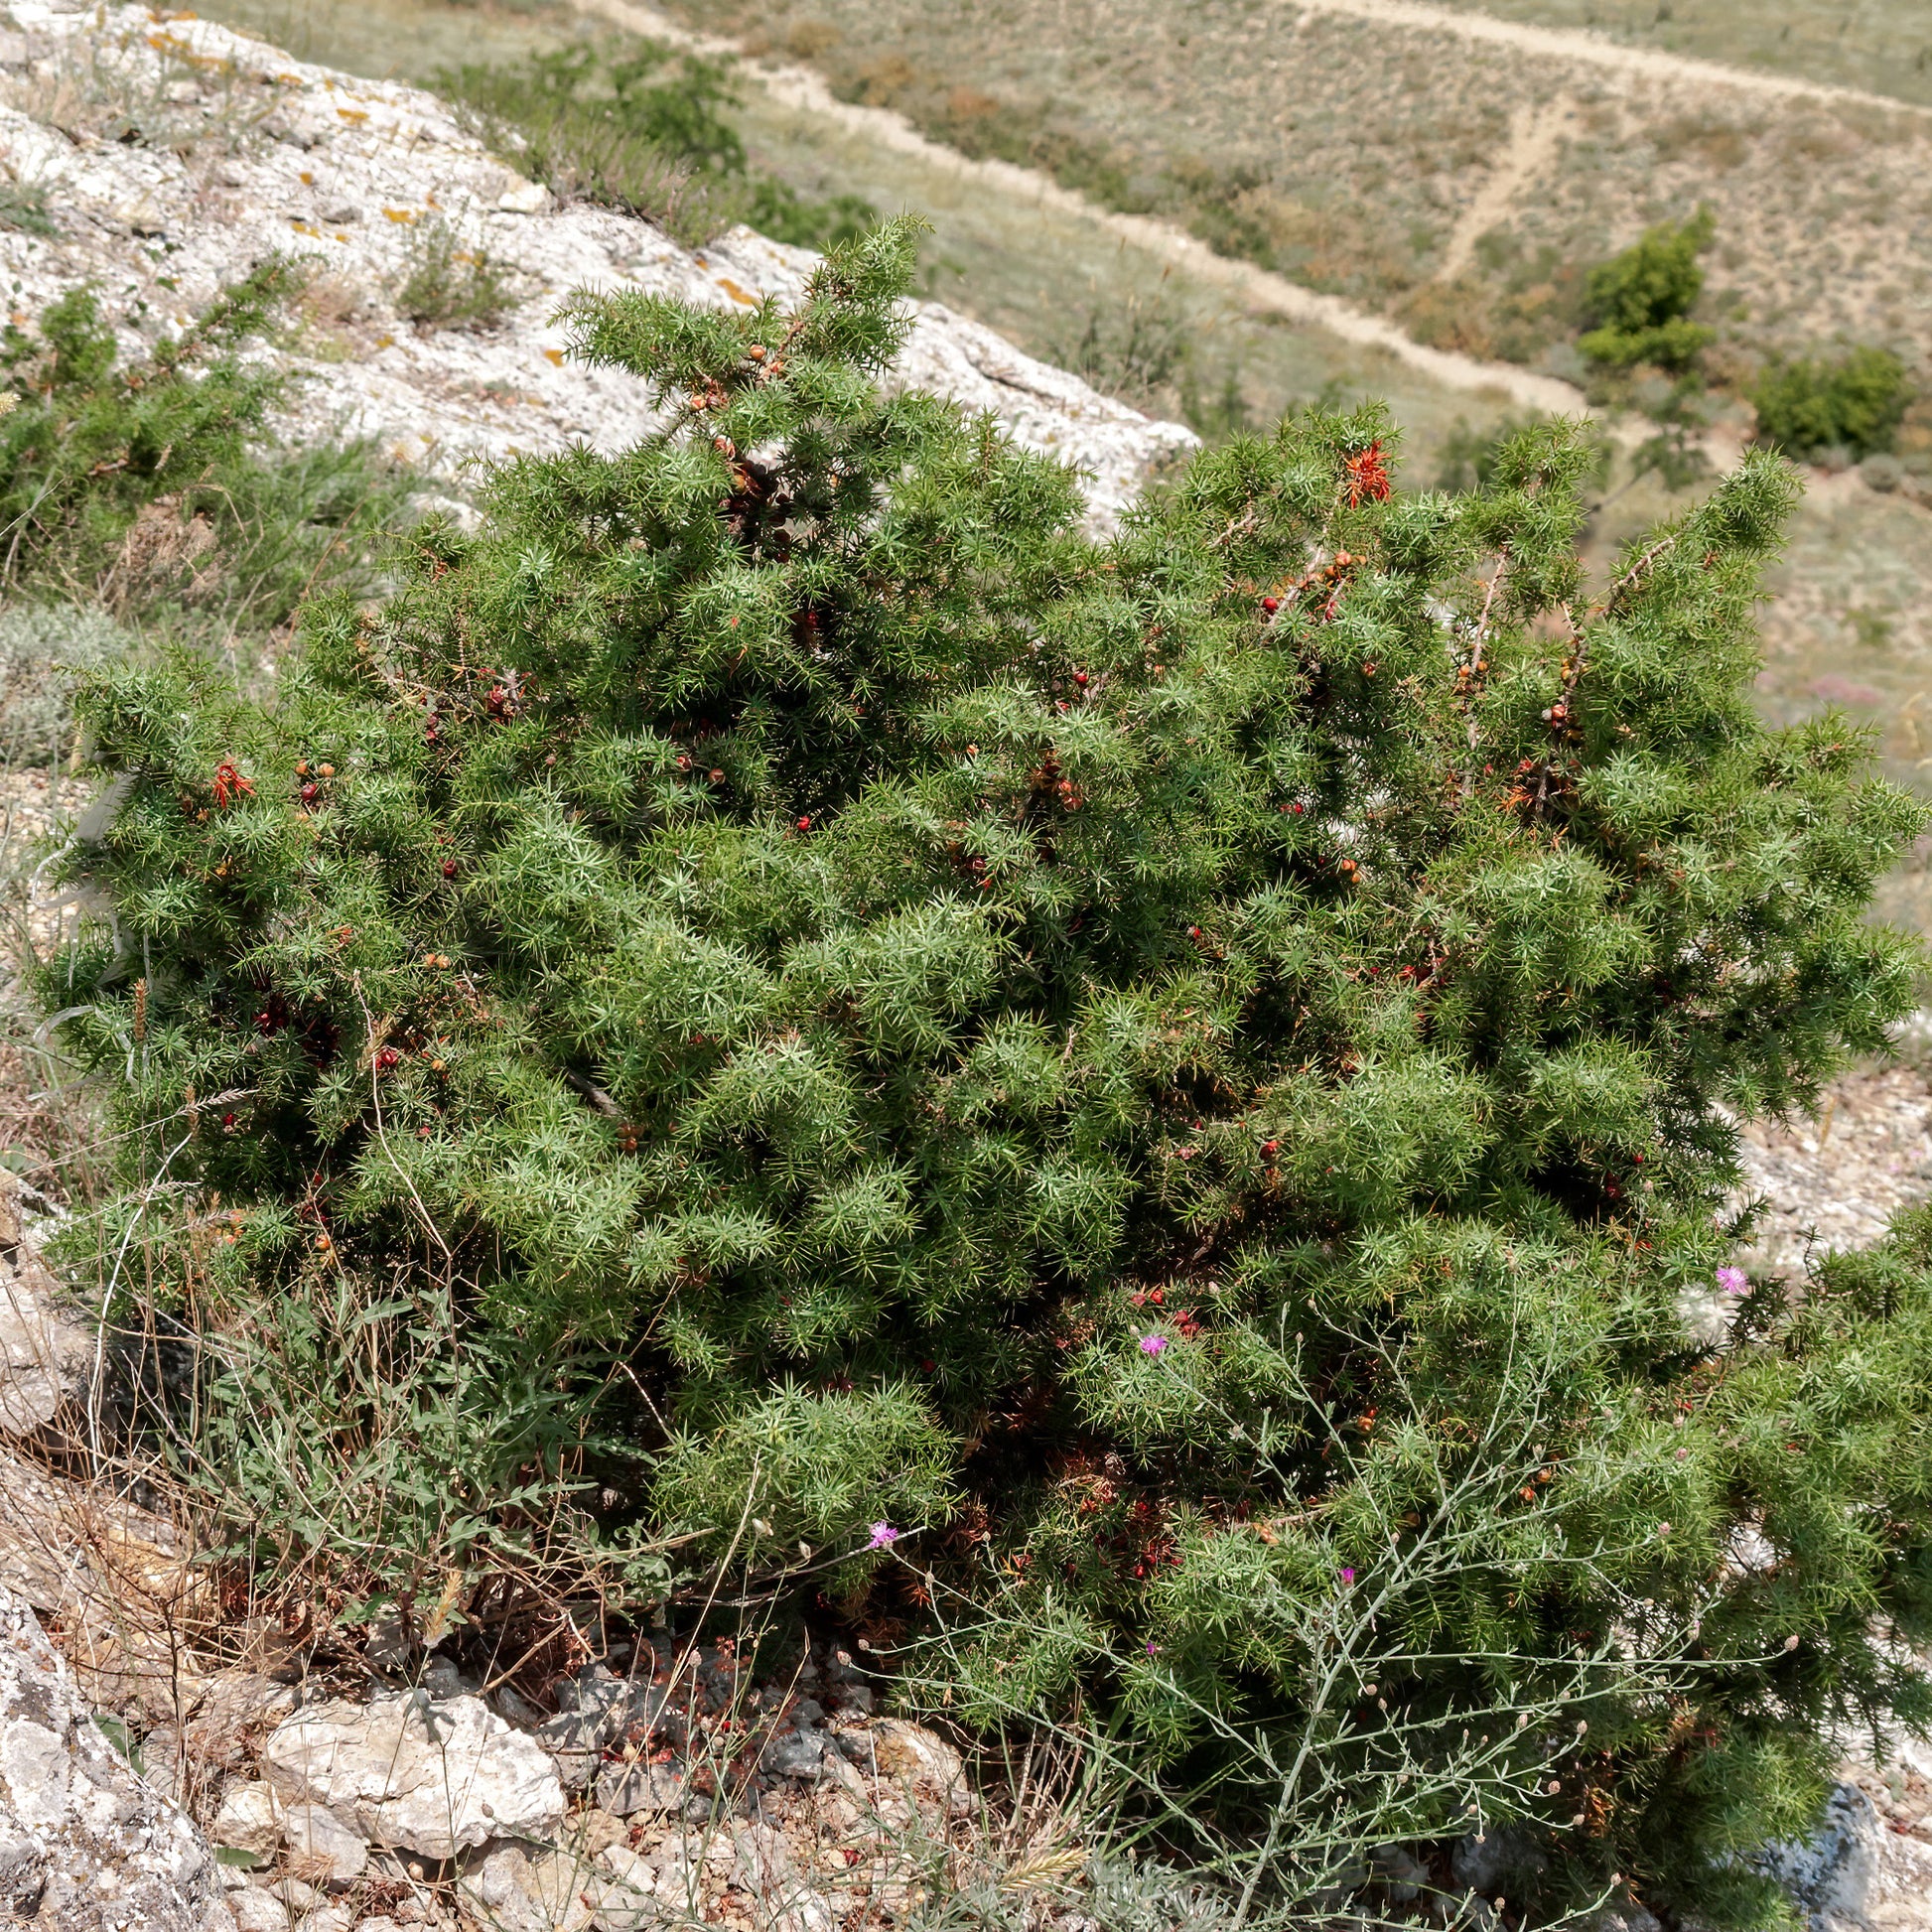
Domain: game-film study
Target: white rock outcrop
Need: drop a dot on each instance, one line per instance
(240, 152)
(85, 1844)
(417, 1775)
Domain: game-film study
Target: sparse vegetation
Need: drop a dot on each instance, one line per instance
(1853, 402)
(23, 207)
(451, 282)
(154, 484)
(646, 130)
(1136, 350)
(1354, 165)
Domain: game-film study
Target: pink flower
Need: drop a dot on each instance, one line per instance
(1348, 1576)
(1733, 1281)
(884, 1536)
(1152, 1344)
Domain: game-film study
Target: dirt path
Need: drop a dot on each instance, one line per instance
(1590, 50)
(1531, 146)
(805, 90)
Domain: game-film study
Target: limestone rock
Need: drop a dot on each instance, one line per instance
(249, 1818)
(336, 145)
(406, 1771)
(256, 1910)
(323, 1846)
(625, 1789)
(43, 1356)
(910, 1754)
(85, 1844)
(1857, 1874)
(512, 1889)
(794, 1754)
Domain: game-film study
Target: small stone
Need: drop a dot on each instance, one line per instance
(443, 1679)
(526, 198)
(433, 1778)
(256, 1910)
(318, 1836)
(520, 1888)
(332, 1917)
(249, 1819)
(505, 1701)
(624, 1892)
(625, 1789)
(909, 1753)
(794, 1754)
(342, 215)
(1402, 1876)
(805, 1908)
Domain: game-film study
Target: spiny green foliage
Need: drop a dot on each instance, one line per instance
(1855, 403)
(95, 443)
(1191, 1079)
(1640, 300)
(646, 130)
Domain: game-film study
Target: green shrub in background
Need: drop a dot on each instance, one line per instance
(159, 482)
(1853, 403)
(1640, 301)
(643, 130)
(1163, 1107)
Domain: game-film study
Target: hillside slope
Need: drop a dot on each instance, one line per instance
(240, 152)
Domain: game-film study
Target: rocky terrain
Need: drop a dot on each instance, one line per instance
(230, 1782)
(168, 155)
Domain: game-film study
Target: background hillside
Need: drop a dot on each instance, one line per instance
(1439, 179)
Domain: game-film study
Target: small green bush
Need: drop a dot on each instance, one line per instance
(1640, 300)
(452, 283)
(1852, 403)
(646, 131)
(1156, 1116)
(180, 445)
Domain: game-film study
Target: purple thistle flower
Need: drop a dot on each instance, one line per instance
(1732, 1281)
(1347, 1575)
(1152, 1344)
(884, 1536)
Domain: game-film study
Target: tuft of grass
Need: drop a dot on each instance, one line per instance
(1136, 350)
(107, 87)
(452, 283)
(23, 208)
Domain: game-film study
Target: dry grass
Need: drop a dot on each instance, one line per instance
(1882, 46)
(95, 90)
(1348, 153)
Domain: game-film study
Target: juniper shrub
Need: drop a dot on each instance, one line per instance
(1166, 1106)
